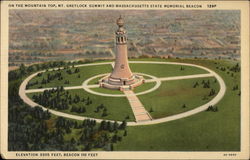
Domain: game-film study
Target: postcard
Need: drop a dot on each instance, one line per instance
(124, 80)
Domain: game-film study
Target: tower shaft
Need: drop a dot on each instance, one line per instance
(121, 68)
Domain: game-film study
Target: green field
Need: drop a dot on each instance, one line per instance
(205, 131)
(118, 108)
(94, 81)
(170, 97)
(85, 73)
(144, 87)
(165, 70)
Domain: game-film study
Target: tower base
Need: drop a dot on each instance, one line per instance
(120, 83)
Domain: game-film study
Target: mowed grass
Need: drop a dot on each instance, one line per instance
(165, 70)
(85, 73)
(170, 97)
(118, 108)
(205, 131)
(144, 87)
(95, 81)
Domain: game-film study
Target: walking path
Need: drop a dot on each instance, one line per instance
(138, 109)
(181, 77)
(66, 88)
(215, 100)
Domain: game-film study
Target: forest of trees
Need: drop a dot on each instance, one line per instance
(60, 99)
(54, 76)
(33, 129)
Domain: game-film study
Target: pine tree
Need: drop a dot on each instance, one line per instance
(104, 113)
(125, 133)
(123, 125)
(115, 124)
(111, 147)
(151, 110)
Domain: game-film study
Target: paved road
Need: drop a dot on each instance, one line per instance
(214, 101)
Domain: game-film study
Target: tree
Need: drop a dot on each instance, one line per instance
(127, 117)
(151, 110)
(69, 71)
(111, 147)
(115, 124)
(104, 113)
(77, 70)
(30, 69)
(67, 129)
(97, 109)
(125, 133)
(239, 93)
(123, 125)
(82, 109)
(215, 109)
(114, 138)
(103, 125)
(212, 92)
(88, 147)
(43, 81)
(22, 69)
(61, 89)
(196, 84)
(109, 126)
(72, 141)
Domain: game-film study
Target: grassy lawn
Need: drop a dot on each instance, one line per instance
(94, 81)
(147, 77)
(165, 70)
(170, 97)
(205, 131)
(144, 87)
(118, 108)
(108, 91)
(74, 78)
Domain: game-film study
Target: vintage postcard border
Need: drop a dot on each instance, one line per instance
(243, 154)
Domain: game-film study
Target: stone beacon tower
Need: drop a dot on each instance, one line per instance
(121, 77)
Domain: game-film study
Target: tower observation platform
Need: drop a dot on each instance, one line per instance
(121, 77)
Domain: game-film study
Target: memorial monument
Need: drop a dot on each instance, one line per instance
(121, 77)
